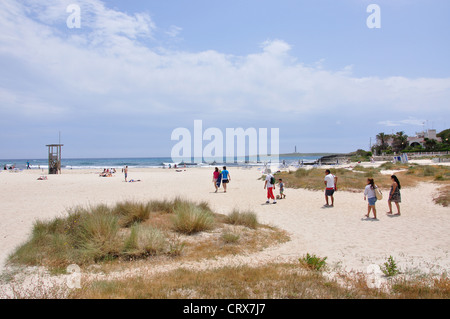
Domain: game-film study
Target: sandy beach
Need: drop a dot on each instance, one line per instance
(418, 240)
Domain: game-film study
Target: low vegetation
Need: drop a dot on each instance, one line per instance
(139, 231)
(269, 281)
(355, 179)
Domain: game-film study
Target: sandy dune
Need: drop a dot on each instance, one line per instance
(418, 240)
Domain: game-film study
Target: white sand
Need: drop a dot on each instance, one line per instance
(418, 240)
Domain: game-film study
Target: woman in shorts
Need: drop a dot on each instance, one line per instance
(369, 194)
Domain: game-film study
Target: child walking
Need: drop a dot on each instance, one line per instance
(281, 185)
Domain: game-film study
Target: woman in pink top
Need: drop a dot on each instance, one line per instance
(215, 177)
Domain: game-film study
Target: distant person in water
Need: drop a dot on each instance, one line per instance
(394, 195)
(225, 178)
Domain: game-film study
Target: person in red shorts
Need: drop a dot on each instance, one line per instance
(270, 185)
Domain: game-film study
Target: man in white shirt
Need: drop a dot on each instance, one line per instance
(330, 182)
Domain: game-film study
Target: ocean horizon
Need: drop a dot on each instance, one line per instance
(151, 162)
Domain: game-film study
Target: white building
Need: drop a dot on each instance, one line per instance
(420, 137)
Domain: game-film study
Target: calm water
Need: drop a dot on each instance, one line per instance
(84, 163)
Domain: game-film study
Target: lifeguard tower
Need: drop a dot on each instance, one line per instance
(54, 158)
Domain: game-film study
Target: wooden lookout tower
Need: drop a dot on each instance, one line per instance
(54, 158)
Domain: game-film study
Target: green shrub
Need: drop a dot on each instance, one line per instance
(390, 268)
(313, 262)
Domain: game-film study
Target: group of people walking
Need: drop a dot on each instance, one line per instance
(394, 196)
(330, 181)
(221, 177)
(370, 194)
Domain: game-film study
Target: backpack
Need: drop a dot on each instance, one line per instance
(272, 180)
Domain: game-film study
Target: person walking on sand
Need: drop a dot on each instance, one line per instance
(269, 183)
(330, 182)
(225, 178)
(369, 194)
(216, 175)
(125, 171)
(394, 195)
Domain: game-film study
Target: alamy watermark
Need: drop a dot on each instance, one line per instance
(74, 276)
(374, 19)
(74, 19)
(236, 144)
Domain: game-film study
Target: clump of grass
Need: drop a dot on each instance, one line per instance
(190, 219)
(96, 236)
(443, 197)
(145, 241)
(247, 218)
(131, 212)
(313, 262)
(230, 237)
(101, 233)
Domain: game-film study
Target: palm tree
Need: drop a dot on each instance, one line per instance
(382, 138)
(400, 141)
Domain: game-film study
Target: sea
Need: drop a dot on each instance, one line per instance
(152, 162)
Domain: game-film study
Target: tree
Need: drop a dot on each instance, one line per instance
(400, 141)
(430, 145)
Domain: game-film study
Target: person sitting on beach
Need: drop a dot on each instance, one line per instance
(330, 183)
(394, 195)
(105, 173)
(369, 193)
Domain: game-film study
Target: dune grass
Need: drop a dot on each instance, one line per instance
(356, 179)
(136, 231)
(269, 281)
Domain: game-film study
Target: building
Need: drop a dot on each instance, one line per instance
(420, 137)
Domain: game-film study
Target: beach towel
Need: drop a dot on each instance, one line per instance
(219, 180)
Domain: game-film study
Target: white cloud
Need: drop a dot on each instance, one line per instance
(410, 121)
(173, 31)
(109, 66)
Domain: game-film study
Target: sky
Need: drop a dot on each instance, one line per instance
(329, 74)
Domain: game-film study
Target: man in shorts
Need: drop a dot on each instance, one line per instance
(226, 178)
(330, 182)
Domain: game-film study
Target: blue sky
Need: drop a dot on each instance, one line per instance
(136, 70)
